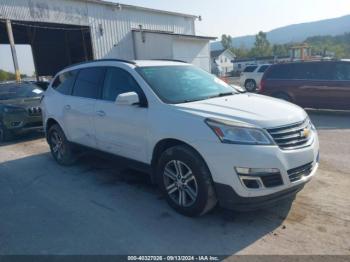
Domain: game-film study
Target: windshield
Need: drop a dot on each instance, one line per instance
(181, 84)
(15, 91)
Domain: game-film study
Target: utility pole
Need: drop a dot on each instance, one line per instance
(13, 50)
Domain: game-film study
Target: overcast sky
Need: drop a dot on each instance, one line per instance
(234, 17)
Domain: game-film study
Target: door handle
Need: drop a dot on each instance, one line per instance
(67, 107)
(101, 113)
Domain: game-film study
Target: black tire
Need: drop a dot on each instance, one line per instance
(283, 96)
(63, 154)
(205, 199)
(250, 85)
(5, 134)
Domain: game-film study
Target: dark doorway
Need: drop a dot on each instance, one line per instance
(54, 46)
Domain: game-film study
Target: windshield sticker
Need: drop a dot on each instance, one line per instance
(37, 91)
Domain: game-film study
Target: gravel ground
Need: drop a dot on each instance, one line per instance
(100, 207)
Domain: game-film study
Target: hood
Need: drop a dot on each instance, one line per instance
(258, 110)
(22, 102)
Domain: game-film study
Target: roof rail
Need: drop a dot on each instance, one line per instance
(172, 60)
(101, 60)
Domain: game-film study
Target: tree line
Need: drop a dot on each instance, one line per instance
(320, 45)
(8, 76)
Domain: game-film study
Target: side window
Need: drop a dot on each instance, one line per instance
(63, 83)
(88, 83)
(118, 81)
(263, 68)
(279, 72)
(341, 72)
(250, 69)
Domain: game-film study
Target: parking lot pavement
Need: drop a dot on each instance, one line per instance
(99, 207)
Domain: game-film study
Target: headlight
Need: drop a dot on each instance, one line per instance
(238, 133)
(10, 109)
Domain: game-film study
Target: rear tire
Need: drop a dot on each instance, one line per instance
(186, 182)
(250, 85)
(60, 147)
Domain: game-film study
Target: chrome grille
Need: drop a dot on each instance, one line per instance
(297, 173)
(292, 136)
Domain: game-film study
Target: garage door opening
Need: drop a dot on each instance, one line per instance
(54, 46)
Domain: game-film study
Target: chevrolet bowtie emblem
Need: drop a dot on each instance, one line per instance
(305, 132)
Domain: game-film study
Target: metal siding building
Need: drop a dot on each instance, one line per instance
(117, 30)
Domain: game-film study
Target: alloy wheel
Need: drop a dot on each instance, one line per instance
(180, 183)
(57, 145)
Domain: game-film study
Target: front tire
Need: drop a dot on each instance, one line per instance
(186, 181)
(60, 147)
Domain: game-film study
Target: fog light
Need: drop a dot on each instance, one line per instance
(255, 171)
(14, 124)
(251, 183)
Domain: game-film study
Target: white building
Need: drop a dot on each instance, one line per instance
(62, 32)
(223, 60)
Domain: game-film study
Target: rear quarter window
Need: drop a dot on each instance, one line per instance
(262, 69)
(64, 82)
(250, 69)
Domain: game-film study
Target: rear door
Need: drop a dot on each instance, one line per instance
(121, 129)
(79, 108)
(339, 86)
(309, 84)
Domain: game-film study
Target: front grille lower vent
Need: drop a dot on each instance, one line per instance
(292, 136)
(272, 180)
(298, 173)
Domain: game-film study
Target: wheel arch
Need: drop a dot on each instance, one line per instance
(163, 145)
(49, 123)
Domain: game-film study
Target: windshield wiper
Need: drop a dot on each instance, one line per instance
(208, 97)
(222, 94)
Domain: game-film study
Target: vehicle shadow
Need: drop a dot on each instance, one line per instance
(99, 206)
(24, 137)
(328, 119)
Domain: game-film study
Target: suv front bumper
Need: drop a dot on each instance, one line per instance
(222, 159)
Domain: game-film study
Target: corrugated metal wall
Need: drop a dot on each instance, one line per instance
(110, 26)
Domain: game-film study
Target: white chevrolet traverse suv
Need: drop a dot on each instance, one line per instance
(202, 140)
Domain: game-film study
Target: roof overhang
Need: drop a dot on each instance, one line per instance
(175, 34)
(141, 8)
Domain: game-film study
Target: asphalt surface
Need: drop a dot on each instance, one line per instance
(99, 207)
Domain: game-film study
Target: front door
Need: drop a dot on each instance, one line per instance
(121, 129)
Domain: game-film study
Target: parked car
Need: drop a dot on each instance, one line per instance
(321, 84)
(251, 76)
(19, 109)
(201, 140)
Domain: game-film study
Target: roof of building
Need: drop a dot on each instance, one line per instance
(174, 34)
(217, 53)
(120, 5)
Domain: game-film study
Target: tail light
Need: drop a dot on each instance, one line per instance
(261, 86)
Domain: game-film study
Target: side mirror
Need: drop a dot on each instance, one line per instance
(130, 98)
